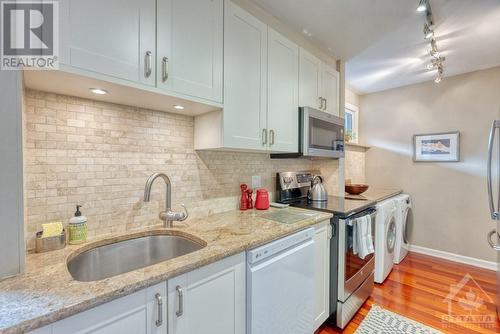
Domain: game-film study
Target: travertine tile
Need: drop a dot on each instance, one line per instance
(99, 155)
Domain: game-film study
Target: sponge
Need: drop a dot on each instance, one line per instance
(51, 229)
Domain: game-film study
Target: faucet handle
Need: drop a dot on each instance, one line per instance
(185, 214)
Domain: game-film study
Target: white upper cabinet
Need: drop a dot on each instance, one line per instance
(310, 83)
(190, 47)
(330, 85)
(115, 38)
(209, 300)
(282, 93)
(318, 84)
(245, 69)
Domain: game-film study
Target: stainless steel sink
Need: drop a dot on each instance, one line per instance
(120, 257)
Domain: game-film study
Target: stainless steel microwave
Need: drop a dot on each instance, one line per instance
(320, 135)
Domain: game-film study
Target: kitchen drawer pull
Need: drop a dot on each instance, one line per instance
(493, 245)
(147, 64)
(320, 103)
(164, 69)
(271, 134)
(264, 136)
(180, 294)
(159, 301)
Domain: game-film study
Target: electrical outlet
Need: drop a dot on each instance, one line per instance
(256, 182)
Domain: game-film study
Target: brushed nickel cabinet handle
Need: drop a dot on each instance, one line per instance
(271, 134)
(147, 64)
(164, 69)
(180, 293)
(159, 319)
(320, 103)
(264, 136)
(326, 105)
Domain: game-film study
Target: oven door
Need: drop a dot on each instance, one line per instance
(353, 270)
(322, 134)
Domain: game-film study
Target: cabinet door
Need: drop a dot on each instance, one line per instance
(210, 299)
(282, 93)
(190, 47)
(133, 314)
(322, 273)
(115, 38)
(309, 80)
(245, 69)
(330, 87)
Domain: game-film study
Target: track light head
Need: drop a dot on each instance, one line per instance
(422, 6)
(428, 32)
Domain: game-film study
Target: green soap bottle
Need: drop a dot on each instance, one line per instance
(77, 228)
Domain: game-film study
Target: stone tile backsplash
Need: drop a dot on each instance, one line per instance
(99, 155)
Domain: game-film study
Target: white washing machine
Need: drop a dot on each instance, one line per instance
(403, 222)
(385, 239)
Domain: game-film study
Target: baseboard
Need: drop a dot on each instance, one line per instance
(455, 257)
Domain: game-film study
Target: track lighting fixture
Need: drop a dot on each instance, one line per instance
(440, 74)
(433, 50)
(437, 60)
(422, 6)
(428, 32)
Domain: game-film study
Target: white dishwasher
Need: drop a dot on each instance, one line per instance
(280, 286)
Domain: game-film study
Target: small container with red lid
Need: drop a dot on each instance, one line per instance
(262, 199)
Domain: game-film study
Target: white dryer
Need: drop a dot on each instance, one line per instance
(403, 222)
(385, 239)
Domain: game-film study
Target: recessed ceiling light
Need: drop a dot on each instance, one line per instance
(98, 91)
(178, 107)
(422, 6)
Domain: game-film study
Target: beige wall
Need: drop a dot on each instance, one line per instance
(450, 200)
(354, 156)
(99, 155)
(351, 97)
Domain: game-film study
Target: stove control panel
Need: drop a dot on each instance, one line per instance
(292, 180)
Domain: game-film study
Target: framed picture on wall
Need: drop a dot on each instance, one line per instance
(437, 147)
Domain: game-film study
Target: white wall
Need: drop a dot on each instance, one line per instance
(450, 200)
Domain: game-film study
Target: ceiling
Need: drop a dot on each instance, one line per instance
(382, 40)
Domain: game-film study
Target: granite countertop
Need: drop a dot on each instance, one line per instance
(46, 292)
(375, 194)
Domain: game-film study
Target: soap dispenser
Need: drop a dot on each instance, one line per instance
(77, 228)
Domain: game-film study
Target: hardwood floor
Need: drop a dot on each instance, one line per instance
(418, 289)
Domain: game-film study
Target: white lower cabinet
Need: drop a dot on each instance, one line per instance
(322, 238)
(209, 300)
(138, 313)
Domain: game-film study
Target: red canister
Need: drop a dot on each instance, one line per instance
(262, 199)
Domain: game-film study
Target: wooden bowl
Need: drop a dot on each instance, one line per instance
(355, 189)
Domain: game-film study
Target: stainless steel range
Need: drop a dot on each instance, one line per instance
(351, 276)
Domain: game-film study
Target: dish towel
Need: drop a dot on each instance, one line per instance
(363, 243)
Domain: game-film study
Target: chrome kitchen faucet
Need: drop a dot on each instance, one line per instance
(168, 216)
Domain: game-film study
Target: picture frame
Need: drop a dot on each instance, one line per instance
(437, 147)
